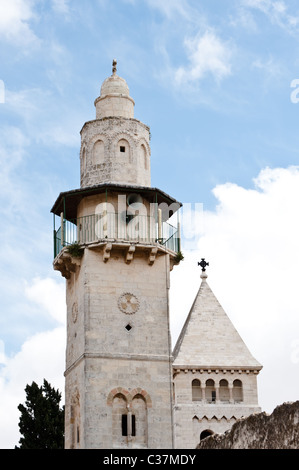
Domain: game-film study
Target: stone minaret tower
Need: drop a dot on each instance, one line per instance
(115, 248)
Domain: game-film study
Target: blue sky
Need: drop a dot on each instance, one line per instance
(212, 79)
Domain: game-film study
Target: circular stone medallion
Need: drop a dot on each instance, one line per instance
(128, 303)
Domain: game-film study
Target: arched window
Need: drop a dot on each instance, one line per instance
(196, 390)
(129, 417)
(139, 421)
(237, 391)
(119, 420)
(223, 391)
(123, 149)
(144, 156)
(98, 153)
(210, 391)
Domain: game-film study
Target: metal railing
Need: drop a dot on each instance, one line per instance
(121, 227)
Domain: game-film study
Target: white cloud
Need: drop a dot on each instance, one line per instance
(272, 69)
(171, 7)
(30, 104)
(207, 55)
(50, 296)
(15, 16)
(277, 11)
(252, 244)
(13, 146)
(2, 352)
(41, 356)
(61, 6)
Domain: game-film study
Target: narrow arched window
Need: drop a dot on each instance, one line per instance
(223, 391)
(196, 390)
(210, 391)
(123, 149)
(139, 421)
(119, 420)
(237, 391)
(98, 153)
(144, 156)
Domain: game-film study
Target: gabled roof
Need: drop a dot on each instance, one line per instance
(208, 337)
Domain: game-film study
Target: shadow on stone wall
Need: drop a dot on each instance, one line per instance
(279, 430)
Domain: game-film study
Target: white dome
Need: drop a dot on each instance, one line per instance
(114, 100)
(114, 85)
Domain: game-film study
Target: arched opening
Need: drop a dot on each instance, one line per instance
(210, 391)
(237, 391)
(139, 421)
(144, 156)
(196, 390)
(223, 391)
(123, 149)
(98, 153)
(205, 433)
(119, 420)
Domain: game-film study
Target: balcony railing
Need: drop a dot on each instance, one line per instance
(120, 227)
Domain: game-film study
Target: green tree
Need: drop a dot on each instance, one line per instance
(42, 420)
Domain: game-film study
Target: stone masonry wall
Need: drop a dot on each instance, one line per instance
(112, 166)
(280, 430)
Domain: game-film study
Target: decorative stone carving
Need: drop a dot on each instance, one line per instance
(128, 303)
(130, 254)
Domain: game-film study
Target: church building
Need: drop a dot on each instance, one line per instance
(116, 240)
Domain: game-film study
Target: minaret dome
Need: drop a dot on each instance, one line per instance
(115, 99)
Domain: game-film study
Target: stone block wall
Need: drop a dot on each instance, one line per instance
(115, 150)
(279, 430)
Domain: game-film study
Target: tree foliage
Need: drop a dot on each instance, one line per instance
(42, 420)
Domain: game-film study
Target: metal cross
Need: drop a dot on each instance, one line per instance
(203, 264)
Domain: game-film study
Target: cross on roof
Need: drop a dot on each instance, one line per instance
(203, 264)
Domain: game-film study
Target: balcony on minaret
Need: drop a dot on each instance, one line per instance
(108, 217)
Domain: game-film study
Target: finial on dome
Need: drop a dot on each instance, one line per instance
(114, 64)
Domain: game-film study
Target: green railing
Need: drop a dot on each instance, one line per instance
(121, 227)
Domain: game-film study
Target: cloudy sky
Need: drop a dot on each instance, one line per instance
(218, 83)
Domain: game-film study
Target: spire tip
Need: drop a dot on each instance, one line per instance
(114, 64)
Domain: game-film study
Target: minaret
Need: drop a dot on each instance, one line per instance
(215, 375)
(115, 248)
